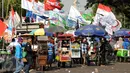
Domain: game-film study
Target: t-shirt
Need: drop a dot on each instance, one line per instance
(18, 50)
(126, 45)
(84, 47)
(50, 50)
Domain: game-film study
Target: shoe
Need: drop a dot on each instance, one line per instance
(22, 71)
(31, 70)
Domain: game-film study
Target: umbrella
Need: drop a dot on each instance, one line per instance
(122, 33)
(48, 33)
(42, 32)
(78, 31)
(90, 30)
(38, 32)
(56, 29)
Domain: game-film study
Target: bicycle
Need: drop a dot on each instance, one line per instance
(7, 60)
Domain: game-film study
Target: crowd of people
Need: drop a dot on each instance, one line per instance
(22, 50)
(17, 47)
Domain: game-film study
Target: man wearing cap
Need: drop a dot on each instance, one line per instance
(18, 55)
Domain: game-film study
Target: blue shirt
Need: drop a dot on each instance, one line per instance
(126, 45)
(18, 50)
(50, 50)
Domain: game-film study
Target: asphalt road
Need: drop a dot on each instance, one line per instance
(114, 68)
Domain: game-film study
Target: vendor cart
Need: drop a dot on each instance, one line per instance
(76, 53)
(65, 50)
(42, 52)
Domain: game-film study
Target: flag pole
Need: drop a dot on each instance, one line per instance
(2, 8)
(74, 3)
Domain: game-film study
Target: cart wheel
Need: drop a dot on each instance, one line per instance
(87, 60)
(8, 65)
(70, 63)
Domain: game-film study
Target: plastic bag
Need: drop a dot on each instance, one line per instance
(24, 54)
(57, 58)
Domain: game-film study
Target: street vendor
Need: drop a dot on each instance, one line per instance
(50, 52)
(119, 43)
(84, 50)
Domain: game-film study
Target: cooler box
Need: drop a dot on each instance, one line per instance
(65, 56)
(122, 53)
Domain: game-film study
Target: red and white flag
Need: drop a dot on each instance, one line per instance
(11, 18)
(102, 11)
(105, 17)
(3, 27)
(14, 19)
(51, 4)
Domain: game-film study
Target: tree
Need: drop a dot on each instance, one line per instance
(121, 8)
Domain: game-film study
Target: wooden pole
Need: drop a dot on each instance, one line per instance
(74, 3)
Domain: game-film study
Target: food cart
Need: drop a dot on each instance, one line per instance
(76, 52)
(42, 51)
(65, 50)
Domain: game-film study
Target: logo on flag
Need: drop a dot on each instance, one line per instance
(105, 17)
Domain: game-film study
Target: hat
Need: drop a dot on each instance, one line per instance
(20, 39)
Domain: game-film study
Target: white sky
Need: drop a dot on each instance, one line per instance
(68, 3)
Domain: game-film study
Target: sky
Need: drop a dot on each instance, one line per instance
(68, 3)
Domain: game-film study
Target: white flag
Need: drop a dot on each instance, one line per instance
(16, 19)
(27, 4)
(117, 26)
(75, 15)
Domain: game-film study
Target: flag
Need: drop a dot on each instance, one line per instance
(52, 4)
(38, 9)
(8, 33)
(102, 11)
(74, 14)
(88, 17)
(27, 4)
(71, 23)
(13, 21)
(3, 27)
(105, 17)
(16, 19)
(57, 18)
(117, 26)
(33, 5)
(11, 18)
